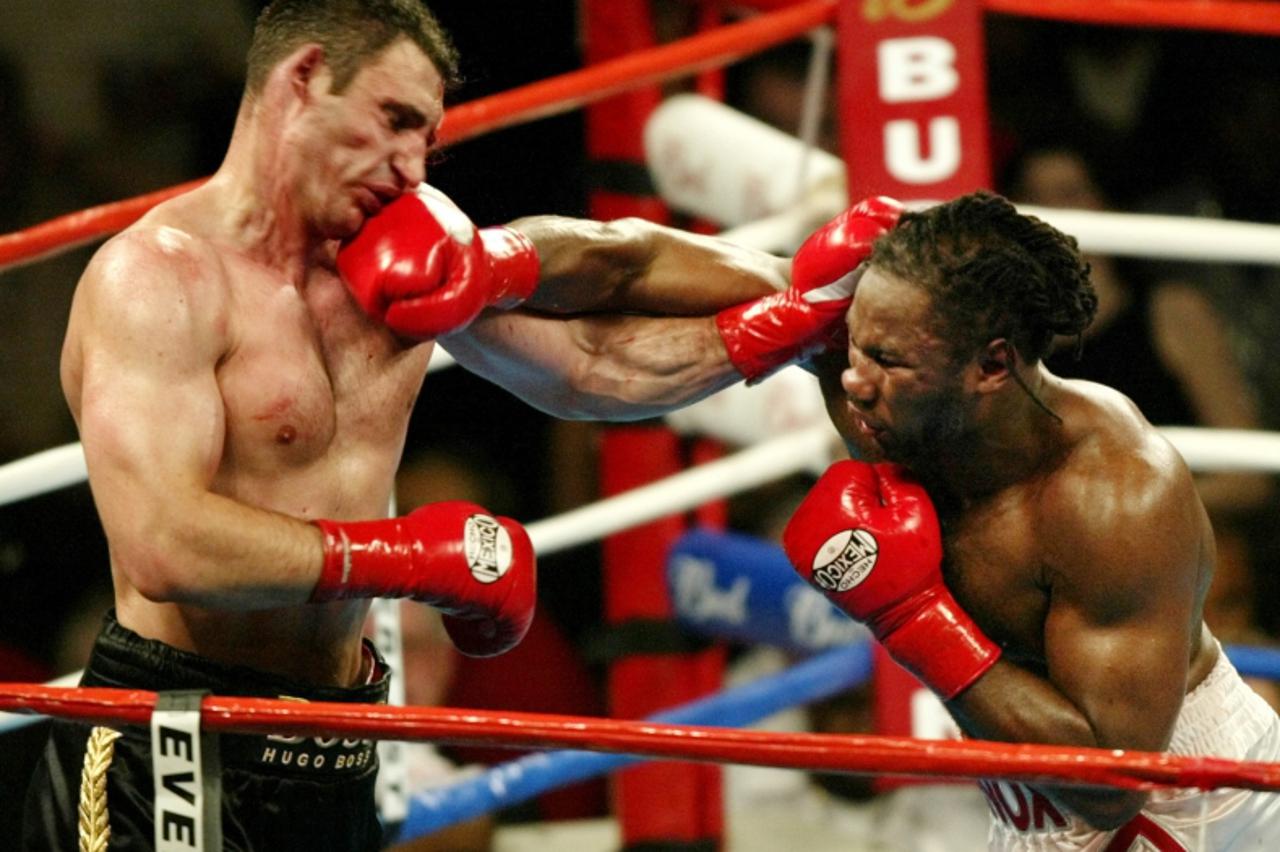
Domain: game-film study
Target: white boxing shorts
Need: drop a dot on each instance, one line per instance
(1221, 717)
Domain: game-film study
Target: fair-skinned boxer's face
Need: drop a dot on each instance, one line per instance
(897, 394)
(362, 147)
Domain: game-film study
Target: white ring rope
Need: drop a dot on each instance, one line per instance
(750, 181)
(810, 448)
(1226, 450)
(42, 472)
(1169, 237)
(700, 122)
(807, 449)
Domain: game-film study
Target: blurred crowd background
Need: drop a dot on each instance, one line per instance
(117, 99)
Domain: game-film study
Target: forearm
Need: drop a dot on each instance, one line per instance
(215, 552)
(637, 266)
(597, 367)
(643, 367)
(1011, 704)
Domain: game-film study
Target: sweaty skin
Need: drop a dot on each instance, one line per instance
(228, 389)
(1080, 547)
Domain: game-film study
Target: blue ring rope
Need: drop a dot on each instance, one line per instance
(519, 780)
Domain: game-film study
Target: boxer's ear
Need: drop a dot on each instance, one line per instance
(307, 71)
(996, 362)
(998, 365)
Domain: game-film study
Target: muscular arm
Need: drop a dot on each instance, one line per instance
(607, 361)
(1118, 636)
(633, 265)
(147, 331)
(602, 367)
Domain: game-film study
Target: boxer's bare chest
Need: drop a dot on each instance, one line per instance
(994, 565)
(309, 385)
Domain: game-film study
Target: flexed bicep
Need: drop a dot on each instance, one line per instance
(143, 344)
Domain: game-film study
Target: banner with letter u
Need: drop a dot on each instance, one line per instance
(913, 98)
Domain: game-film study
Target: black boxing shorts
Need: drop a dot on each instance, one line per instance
(278, 792)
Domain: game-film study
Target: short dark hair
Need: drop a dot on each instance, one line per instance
(351, 32)
(992, 272)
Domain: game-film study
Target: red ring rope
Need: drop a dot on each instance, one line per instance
(559, 94)
(679, 58)
(842, 753)
(66, 232)
(1240, 16)
(686, 56)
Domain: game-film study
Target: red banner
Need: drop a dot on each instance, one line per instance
(913, 98)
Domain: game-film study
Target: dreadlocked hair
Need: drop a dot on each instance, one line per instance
(992, 272)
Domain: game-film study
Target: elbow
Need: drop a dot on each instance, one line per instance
(149, 557)
(150, 572)
(626, 248)
(156, 592)
(634, 232)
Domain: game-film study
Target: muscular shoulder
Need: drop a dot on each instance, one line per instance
(1121, 495)
(152, 292)
(152, 272)
(155, 260)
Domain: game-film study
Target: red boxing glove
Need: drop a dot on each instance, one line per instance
(422, 268)
(808, 316)
(868, 538)
(478, 570)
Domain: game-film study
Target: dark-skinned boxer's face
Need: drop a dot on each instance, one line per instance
(358, 149)
(897, 394)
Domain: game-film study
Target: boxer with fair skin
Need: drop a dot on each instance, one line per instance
(229, 389)
(242, 363)
(1030, 547)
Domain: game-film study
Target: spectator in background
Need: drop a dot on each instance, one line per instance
(429, 658)
(429, 661)
(543, 674)
(1165, 346)
(1211, 132)
(771, 87)
(1162, 344)
(1232, 607)
(34, 300)
(837, 811)
(162, 62)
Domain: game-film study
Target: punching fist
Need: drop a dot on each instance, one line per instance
(867, 537)
(422, 268)
(476, 569)
(808, 316)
